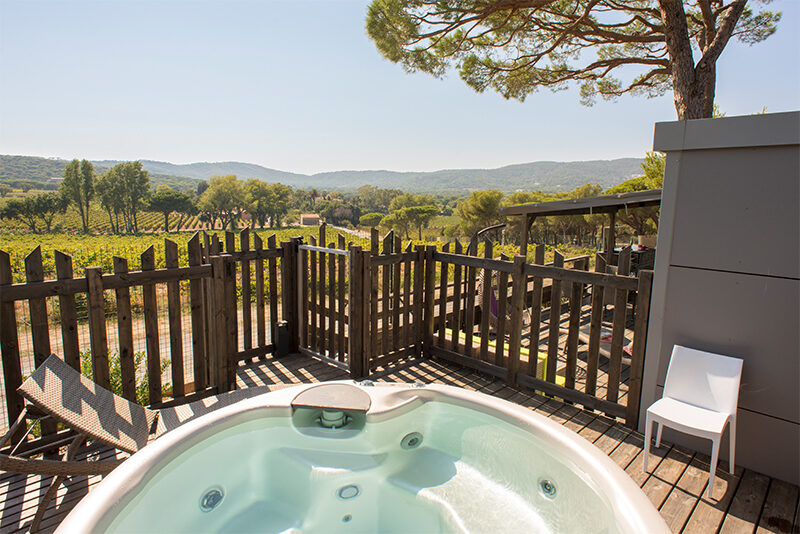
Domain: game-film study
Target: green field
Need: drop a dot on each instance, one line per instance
(98, 250)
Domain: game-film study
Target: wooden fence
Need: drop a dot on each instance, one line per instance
(541, 326)
(530, 337)
(208, 303)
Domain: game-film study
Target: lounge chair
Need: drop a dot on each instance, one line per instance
(56, 391)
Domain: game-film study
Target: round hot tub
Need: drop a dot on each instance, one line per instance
(347, 457)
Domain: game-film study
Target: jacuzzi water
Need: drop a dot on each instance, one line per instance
(460, 469)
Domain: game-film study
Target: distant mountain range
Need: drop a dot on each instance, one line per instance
(541, 175)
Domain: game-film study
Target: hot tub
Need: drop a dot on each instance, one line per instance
(357, 457)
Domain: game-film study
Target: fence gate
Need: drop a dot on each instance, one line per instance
(394, 288)
(323, 286)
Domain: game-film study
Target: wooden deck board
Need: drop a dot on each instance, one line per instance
(675, 482)
(779, 509)
(747, 504)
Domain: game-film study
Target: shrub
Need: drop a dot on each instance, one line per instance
(115, 374)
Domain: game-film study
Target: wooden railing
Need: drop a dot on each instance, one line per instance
(358, 309)
(193, 308)
(515, 354)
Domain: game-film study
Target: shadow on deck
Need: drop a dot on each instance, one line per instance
(744, 502)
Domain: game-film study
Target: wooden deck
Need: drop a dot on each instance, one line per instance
(744, 502)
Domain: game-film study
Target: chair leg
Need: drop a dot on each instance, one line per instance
(732, 435)
(53, 489)
(48, 496)
(659, 426)
(647, 431)
(713, 468)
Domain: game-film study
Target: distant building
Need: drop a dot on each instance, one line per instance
(309, 219)
(56, 179)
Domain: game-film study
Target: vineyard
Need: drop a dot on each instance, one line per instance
(99, 250)
(70, 222)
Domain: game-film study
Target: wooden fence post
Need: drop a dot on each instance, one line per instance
(97, 327)
(174, 318)
(198, 302)
(555, 320)
(125, 334)
(40, 332)
(261, 333)
(224, 354)
(341, 266)
(618, 327)
(595, 326)
(9, 345)
(151, 329)
(486, 306)
(536, 316)
(289, 279)
(218, 346)
(232, 317)
(368, 344)
(419, 293)
(247, 317)
(518, 289)
(359, 365)
(575, 303)
(272, 265)
(69, 314)
(429, 299)
(639, 342)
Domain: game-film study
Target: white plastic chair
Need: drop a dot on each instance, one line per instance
(701, 393)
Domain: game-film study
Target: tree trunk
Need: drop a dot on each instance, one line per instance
(87, 215)
(166, 222)
(688, 103)
(694, 86)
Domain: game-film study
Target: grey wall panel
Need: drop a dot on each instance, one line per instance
(770, 129)
(731, 202)
(737, 211)
(750, 317)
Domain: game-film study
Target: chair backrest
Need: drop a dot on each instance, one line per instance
(704, 379)
(60, 390)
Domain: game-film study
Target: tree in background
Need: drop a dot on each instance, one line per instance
(132, 184)
(408, 211)
(267, 201)
(370, 220)
(373, 199)
(338, 212)
(302, 200)
(224, 200)
(480, 210)
(643, 221)
(279, 203)
(518, 47)
(258, 197)
(109, 191)
(166, 201)
(653, 167)
(78, 187)
(31, 209)
(4, 190)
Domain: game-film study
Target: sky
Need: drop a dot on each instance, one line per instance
(299, 86)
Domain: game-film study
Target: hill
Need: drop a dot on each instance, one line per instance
(203, 170)
(548, 176)
(37, 172)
